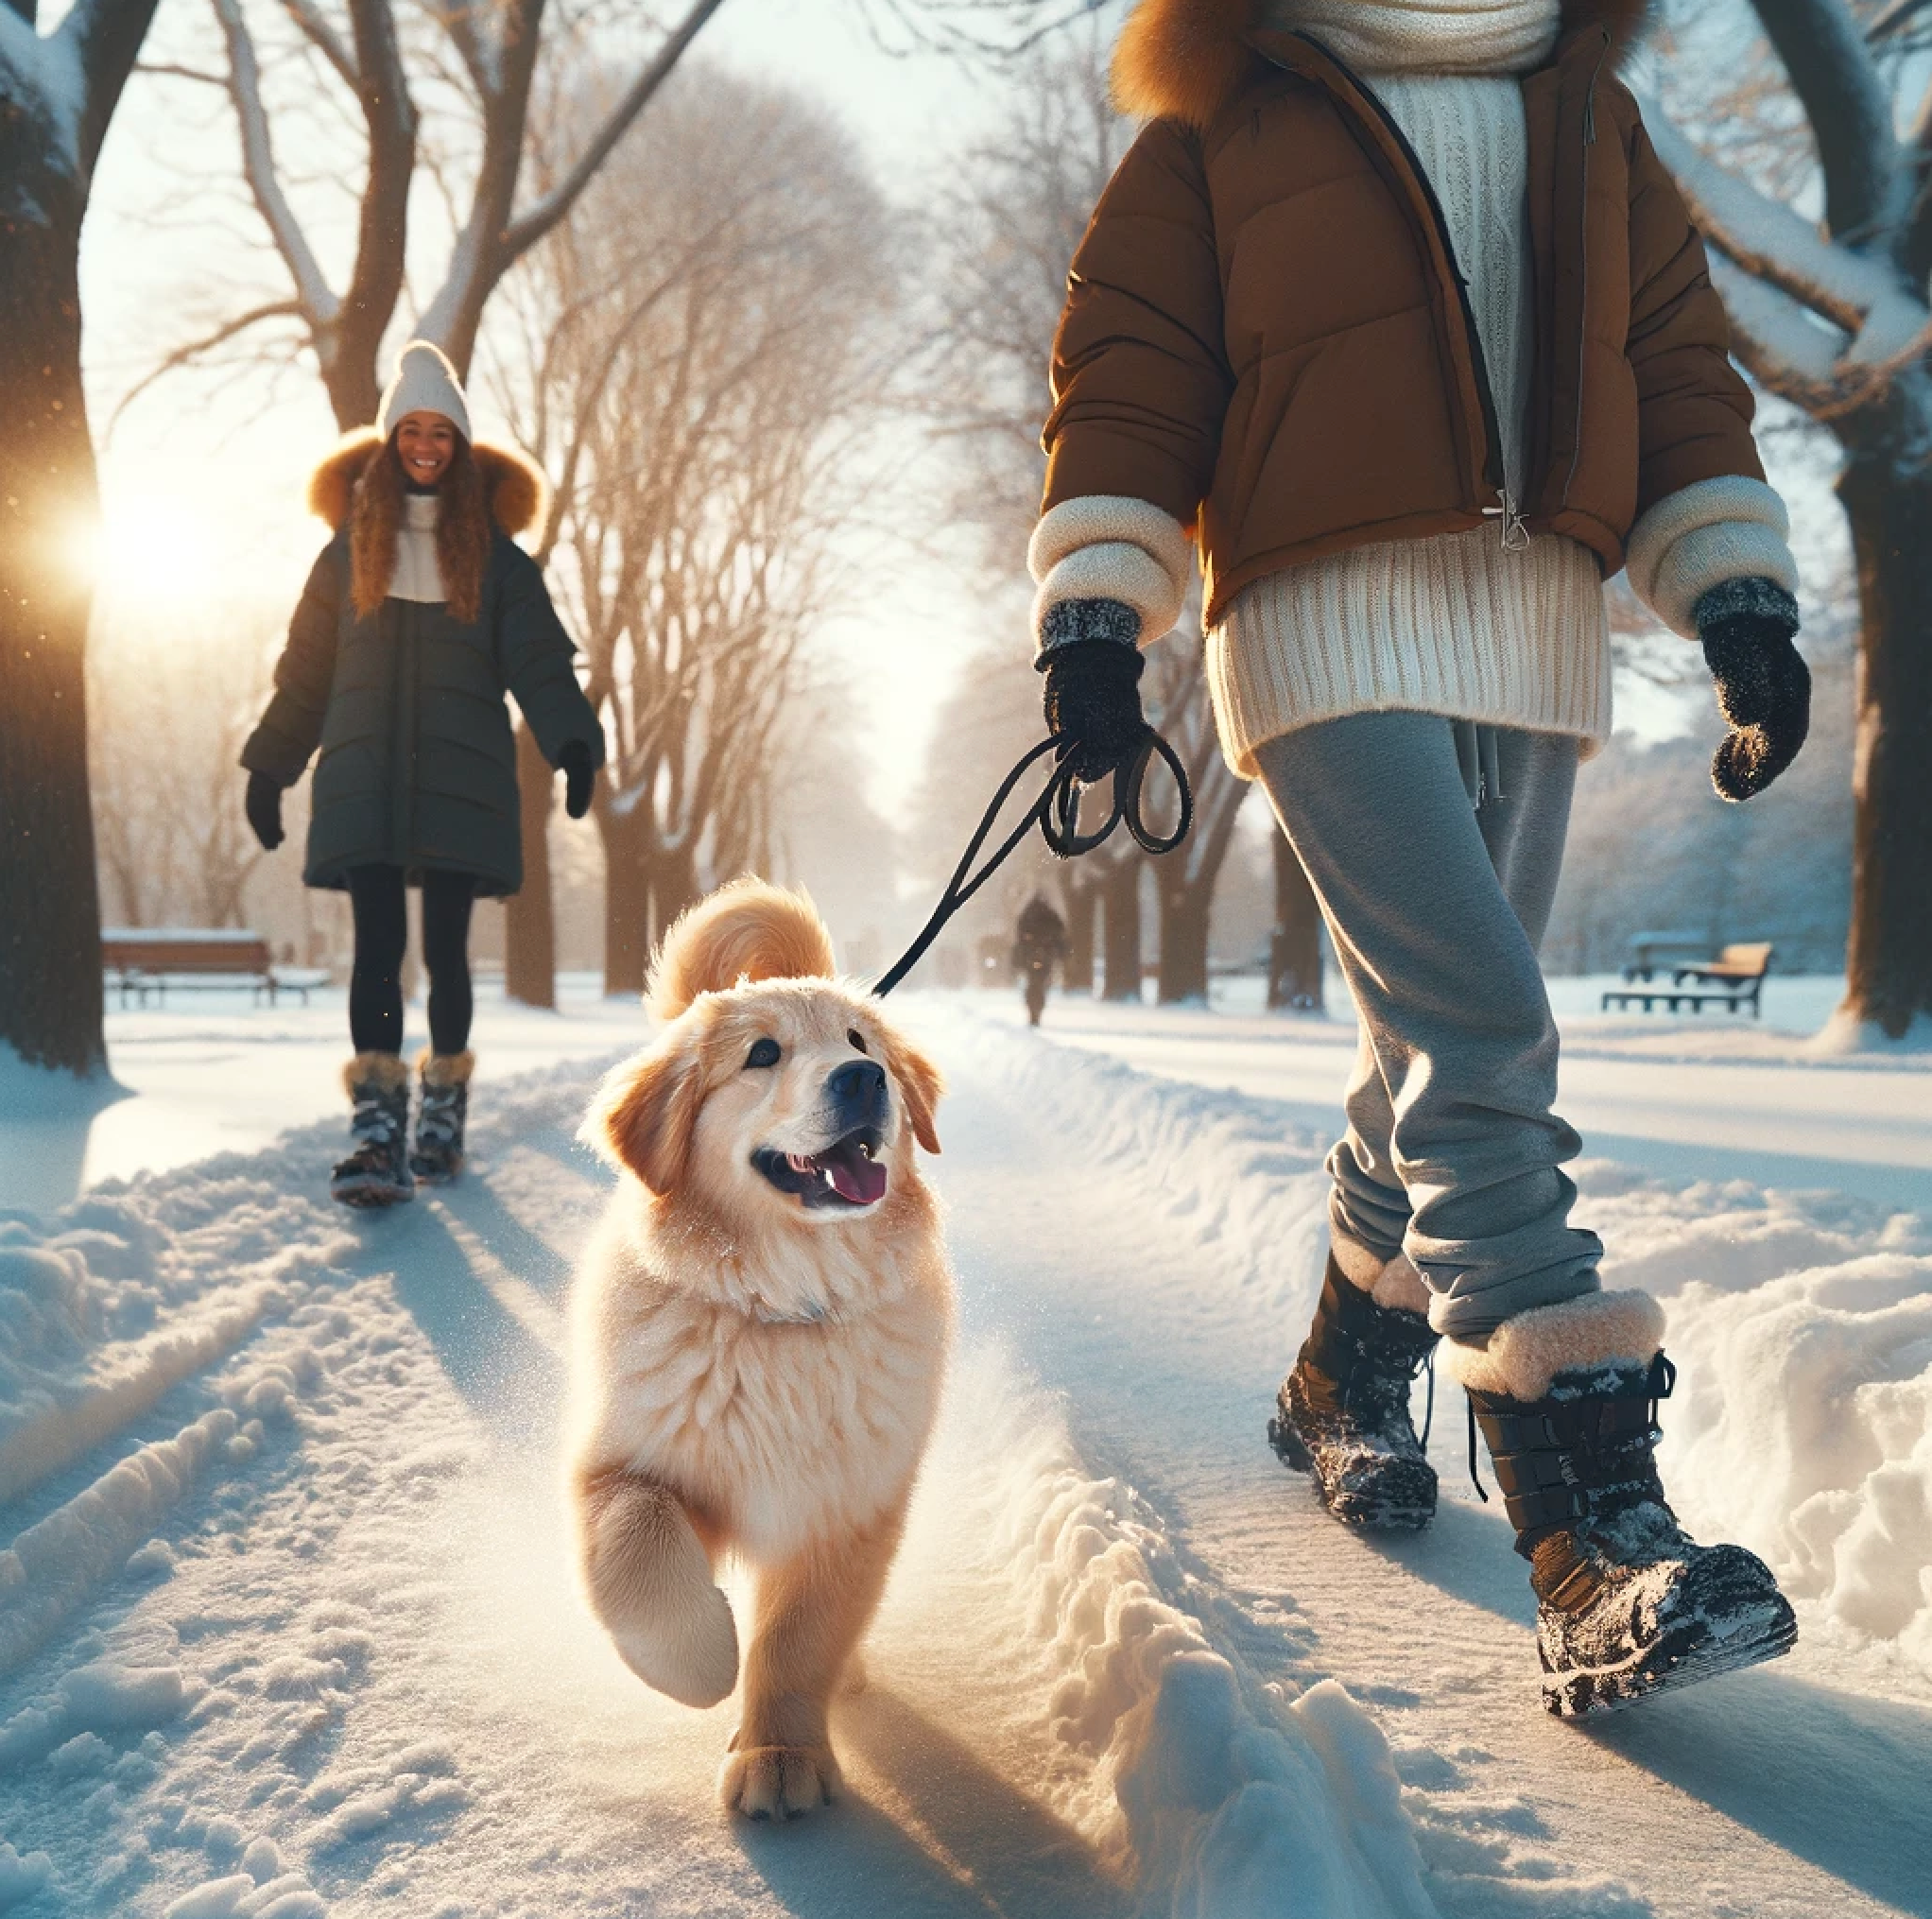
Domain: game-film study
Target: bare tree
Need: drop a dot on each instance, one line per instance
(1832, 315)
(372, 62)
(1294, 945)
(1185, 879)
(171, 699)
(702, 359)
(57, 93)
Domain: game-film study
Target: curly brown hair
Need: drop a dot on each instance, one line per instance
(462, 531)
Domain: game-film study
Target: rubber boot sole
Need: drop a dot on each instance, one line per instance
(371, 1195)
(1681, 1657)
(1397, 1496)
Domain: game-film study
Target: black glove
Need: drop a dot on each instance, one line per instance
(1763, 686)
(1092, 695)
(264, 808)
(579, 776)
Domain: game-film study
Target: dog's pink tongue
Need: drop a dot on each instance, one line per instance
(858, 1181)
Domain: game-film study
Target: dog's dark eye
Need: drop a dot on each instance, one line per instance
(762, 1053)
(857, 1039)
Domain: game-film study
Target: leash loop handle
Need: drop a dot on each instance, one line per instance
(1056, 812)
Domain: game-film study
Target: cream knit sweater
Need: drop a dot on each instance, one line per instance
(418, 576)
(1480, 625)
(1476, 625)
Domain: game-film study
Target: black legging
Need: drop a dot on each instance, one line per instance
(382, 930)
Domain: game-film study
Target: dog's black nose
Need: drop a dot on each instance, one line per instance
(858, 1085)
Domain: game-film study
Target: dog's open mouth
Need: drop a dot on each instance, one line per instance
(847, 1173)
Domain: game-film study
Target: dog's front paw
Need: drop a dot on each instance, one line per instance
(777, 1782)
(692, 1657)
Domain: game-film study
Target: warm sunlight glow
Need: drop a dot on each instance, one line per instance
(150, 549)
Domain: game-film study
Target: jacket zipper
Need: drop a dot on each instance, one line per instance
(1508, 509)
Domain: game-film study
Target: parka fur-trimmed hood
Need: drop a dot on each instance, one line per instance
(515, 489)
(486, 487)
(1183, 59)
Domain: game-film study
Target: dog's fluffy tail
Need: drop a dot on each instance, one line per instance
(748, 930)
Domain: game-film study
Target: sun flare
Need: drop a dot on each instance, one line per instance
(147, 548)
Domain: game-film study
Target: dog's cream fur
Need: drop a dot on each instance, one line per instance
(748, 1376)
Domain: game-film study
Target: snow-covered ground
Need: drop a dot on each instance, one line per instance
(286, 1629)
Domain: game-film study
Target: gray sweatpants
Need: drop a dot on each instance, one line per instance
(1453, 1153)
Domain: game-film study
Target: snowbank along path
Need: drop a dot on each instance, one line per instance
(286, 1627)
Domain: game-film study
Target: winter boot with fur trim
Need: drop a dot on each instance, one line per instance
(377, 1172)
(1627, 1603)
(1342, 1414)
(439, 1155)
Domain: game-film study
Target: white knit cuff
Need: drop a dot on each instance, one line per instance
(1108, 546)
(1701, 536)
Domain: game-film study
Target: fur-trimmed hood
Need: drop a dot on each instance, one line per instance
(1183, 59)
(515, 489)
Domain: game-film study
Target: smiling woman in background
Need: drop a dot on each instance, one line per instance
(419, 615)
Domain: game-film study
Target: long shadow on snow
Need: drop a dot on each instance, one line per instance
(1847, 1791)
(507, 1375)
(988, 1852)
(1837, 1778)
(521, 1251)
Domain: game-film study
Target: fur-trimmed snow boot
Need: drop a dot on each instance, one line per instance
(1627, 1603)
(377, 1172)
(1342, 1414)
(439, 1155)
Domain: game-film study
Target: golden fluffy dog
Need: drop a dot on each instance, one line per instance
(759, 1328)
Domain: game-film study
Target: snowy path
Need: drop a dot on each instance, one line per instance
(1704, 1099)
(287, 1630)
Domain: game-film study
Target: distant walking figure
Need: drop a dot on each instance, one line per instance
(419, 615)
(1039, 946)
(1392, 315)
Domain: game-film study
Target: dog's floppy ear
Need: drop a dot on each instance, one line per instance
(919, 1086)
(646, 1110)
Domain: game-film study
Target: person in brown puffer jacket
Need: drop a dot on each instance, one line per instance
(1393, 314)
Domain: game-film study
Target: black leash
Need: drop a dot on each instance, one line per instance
(1057, 813)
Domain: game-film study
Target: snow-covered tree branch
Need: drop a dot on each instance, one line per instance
(1833, 316)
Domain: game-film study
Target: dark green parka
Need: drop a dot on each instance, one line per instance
(418, 766)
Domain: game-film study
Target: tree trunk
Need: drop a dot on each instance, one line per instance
(1119, 895)
(1081, 900)
(627, 905)
(1294, 947)
(50, 972)
(1887, 492)
(674, 885)
(1185, 922)
(530, 920)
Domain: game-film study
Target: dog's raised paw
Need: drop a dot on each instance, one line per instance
(777, 1782)
(692, 1658)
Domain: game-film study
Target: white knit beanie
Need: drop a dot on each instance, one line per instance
(1428, 36)
(425, 382)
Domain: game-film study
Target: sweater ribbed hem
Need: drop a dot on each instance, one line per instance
(1453, 625)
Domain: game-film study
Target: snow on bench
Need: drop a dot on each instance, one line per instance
(138, 958)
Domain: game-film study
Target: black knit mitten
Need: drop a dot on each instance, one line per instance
(263, 805)
(1091, 693)
(1763, 686)
(580, 778)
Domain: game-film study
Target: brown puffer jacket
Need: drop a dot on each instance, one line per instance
(1266, 336)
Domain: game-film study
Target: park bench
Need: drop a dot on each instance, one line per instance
(1736, 977)
(1651, 952)
(146, 958)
